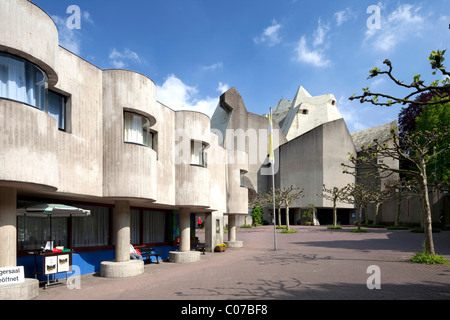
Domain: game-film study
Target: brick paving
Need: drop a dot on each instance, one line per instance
(313, 264)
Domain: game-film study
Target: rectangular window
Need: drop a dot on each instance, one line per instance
(57, 108)
(198, 154)
(135, 227)
(93, 230)
(154, 226)
(137, 129)
(242, 178)
(34, 232)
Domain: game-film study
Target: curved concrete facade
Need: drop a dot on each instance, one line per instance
(29, 32)
(28, 140)
(191, 178)
(129, 170)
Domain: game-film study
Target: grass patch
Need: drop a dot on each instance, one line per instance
(359, 230)
(427, 258)
(373, 226)
(421, 230)
(281, 227)
(334, 227)
(289, 231)
(397, 228)
(247, 226)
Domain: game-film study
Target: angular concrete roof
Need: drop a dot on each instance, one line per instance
(304, 112)
(366, 136)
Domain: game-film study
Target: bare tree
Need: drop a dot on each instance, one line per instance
(416, 150)
(289, 195)
(336, 195)
(360, 195)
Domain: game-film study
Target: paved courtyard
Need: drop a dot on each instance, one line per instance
(313, 264)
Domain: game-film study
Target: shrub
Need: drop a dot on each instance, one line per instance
(359, 230)
(334, 227)
(247, 226)
(289, 231)
(427, 258)
(257, 215)
(397, 228)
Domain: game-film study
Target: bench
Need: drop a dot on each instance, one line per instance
(149, 252)
(197, 245)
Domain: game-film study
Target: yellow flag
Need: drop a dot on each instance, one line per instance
(270, 130)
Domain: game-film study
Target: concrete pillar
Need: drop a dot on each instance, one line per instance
(231, 227)
(184, 255)
(8, 227)
(29, 289)
(185, 229)
(232, 242)
(123, 238)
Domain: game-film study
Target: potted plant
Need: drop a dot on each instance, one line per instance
(220, 247)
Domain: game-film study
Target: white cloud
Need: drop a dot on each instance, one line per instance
(68, 38)
(343, 16)
(222, 87)
(218, 65)
(270, 35)
(177, 95)
(320, 33)
(118, 59)
(313, 57)
(350, 115)
(403, 23)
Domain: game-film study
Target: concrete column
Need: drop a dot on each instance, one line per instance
(8, 227)
(185, 229)
(231, 227)
(123, 238)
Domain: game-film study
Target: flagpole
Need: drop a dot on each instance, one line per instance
(272, 164)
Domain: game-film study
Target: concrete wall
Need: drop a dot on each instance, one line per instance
(30, 33)
(129, 169)
(314, 159)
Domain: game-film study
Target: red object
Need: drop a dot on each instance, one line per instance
(56, 250)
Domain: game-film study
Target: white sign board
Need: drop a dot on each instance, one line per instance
(12, 275)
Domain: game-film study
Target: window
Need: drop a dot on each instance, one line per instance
(242, 178)
(304, 111)
(93, 230)
(137, 129)
(198, 154)
(22, 81)
(57, 108)
(154, 226)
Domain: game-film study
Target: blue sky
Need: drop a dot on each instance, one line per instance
(195, 49)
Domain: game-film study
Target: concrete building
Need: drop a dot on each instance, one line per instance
(311, 140)
(74, 134)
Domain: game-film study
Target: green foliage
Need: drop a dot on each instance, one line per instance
(280, 227)
(257, 215)
(397, 228)
(309, 212)
(334, 227)
(247, 226)
(289, 231)
(428, 258)
(359, 231)
(437, 117)
(421, 230)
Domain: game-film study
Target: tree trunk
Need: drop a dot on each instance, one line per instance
(287, 218)
(279, 216)
(334, 214)
(359, 216)
(428, 228)
(399, 204)
(377, 209)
